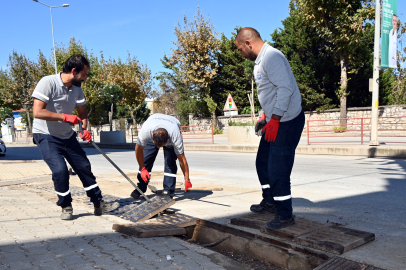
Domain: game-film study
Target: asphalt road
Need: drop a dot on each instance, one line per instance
(360, 193)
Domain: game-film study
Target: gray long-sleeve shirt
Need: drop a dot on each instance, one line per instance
(277, 88)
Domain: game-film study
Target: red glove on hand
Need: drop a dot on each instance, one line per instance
(71, 118)
(86, 135)
(271, 130)
(145, 175)
(188, 184)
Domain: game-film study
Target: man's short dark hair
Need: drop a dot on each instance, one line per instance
(247, 33)
(160, 137)
(76, 61)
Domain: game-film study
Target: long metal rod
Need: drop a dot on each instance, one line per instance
(115, 166)
(375, 90)
(53, 40)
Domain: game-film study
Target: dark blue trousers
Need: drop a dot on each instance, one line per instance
(170, 170)
(274, 164)
(54, 152)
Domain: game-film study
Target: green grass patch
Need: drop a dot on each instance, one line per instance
(340, 129)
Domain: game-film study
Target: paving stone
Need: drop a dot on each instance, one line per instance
(23, 265)
(57, 244)
(138, 265)
(61, 252)
(123, 255)
(161, 249)
(12, 257)
(103, 261)
(72, 259)
(111, 247)
(150, 256)
(172, 245)
(114, 267)
(51, 265)
(85, 266)
(11, 248)
(37, 251)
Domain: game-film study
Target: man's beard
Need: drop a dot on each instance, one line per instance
(251, 56)
(77, 82)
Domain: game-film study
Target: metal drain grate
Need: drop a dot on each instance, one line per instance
(337, 263)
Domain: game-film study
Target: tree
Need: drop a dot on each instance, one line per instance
(132, 77)
(341, 23)
(21, 83)
(112, 94)
(398, 95)
(195, 56)
(311, 65)
(233, 75)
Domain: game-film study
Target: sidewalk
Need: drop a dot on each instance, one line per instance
(32, 236)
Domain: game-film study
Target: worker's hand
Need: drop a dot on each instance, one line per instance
(145, 175)
(188, 184)
(271, 130)
(71, 118)
(260, 125)
(86, 135)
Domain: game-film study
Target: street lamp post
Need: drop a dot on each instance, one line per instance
(52, 24)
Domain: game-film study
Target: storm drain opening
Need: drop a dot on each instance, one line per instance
(250, 250)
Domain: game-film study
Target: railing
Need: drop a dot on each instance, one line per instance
(354, 128)
(198, 133)
(23, 136)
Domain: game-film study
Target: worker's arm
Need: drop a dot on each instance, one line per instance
(184, 166)
(139, 154)
(40, 112)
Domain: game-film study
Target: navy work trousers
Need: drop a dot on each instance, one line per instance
(274, 164)
(150, 152)
(54, 152)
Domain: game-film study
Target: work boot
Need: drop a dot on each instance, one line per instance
(165, 194)
(67, 213)
(280, 222)
(136, 195)
(105, 207)
(263, 207)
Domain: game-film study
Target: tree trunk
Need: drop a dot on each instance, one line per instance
(343, 89)
(135, 130)
(111, 118)
(89, 127)
(28, 119)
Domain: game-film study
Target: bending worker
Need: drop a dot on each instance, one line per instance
(280, 99)
(55, 97)
(158, 131)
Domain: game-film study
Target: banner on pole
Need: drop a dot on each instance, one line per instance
(389, 34)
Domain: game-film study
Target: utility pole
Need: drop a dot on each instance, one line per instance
(375, 89)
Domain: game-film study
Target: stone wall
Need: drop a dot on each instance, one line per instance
(391, 117)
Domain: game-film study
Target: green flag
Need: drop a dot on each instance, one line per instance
(389, 34)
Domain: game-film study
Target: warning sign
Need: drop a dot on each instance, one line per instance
(230, 104)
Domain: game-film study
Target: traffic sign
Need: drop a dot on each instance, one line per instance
(230, 104)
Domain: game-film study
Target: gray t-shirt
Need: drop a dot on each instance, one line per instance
(59, 99)
(277, 88)
(172, 126)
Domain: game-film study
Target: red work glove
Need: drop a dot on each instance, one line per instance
(86, 135)
(271, 130)
(188, 184)
(260, 125)
(71, 118)
(145, 175)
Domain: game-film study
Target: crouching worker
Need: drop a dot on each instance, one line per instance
(160, 131)
(55, 97)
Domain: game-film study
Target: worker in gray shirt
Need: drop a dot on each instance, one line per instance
(158, 131)
(55, 97)
(281, 100)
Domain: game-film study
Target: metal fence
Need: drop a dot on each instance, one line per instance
(356, 129)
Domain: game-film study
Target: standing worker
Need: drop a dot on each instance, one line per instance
(281, 101)
(55, 97)
(158, 131)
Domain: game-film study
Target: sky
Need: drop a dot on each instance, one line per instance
(145, 29)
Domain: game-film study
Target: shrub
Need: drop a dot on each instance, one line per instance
(340, 129)
(237, 124)
(217, 131)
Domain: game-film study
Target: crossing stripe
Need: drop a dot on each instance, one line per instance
(265, 186)
(63, 194)
(92, 186)
(282, 198)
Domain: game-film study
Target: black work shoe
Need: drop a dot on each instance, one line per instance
(105, 207)
(280, 222)
(135, 195)
(165, 193)
(263, 207)
(67, 213)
